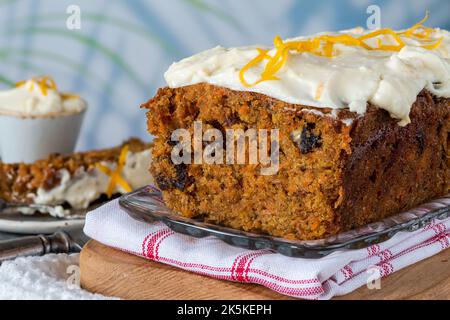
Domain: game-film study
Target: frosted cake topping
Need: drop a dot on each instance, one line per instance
(340, 70)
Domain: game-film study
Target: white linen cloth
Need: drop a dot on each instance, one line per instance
(50, 277)
(336, 274)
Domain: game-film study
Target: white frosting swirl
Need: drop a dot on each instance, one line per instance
(29, 99)
(387, 79)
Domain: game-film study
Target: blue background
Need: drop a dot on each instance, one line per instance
(117, 60)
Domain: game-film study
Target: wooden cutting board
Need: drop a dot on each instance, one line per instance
(114, 273)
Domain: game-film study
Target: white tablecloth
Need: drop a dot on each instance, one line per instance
(54, 276)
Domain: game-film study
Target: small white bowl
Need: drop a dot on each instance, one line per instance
(30, 138)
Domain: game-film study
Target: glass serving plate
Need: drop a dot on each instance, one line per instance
(146, 204)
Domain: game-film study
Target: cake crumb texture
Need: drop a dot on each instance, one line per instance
(338, 170)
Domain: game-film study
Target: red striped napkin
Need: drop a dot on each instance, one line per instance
(336, 274)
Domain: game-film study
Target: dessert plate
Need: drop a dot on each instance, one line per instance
(13, 220)
(146, 204)
(23, 224)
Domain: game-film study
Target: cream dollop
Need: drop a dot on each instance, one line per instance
(354, 77)
(31, 99)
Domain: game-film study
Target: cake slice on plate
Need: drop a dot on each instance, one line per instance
(77, 180)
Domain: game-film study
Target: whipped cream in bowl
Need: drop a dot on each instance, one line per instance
(37, 120)
(39, 97)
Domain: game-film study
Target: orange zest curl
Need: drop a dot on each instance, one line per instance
(115, 175)
(423, 32)
(67, 96)
(433, 45)
(44, 82)
(260, 57)
(381, 46)
(323, 46)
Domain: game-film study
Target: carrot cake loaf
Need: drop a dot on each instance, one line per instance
(359, 125)
(77, 180)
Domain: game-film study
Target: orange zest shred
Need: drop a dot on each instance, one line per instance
(433, 45)
(260, 57)
(418, 26)
(319, 91)
(66, 96)
(44, 82)
(323, 46)
(115, 175)
(381, 46)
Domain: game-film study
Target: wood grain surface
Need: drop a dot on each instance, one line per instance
(114, 273)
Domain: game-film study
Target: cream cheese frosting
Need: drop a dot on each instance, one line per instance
(84, 187)
(35, 98)
(389, 80)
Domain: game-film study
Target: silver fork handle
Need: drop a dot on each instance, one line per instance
(39, 245)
